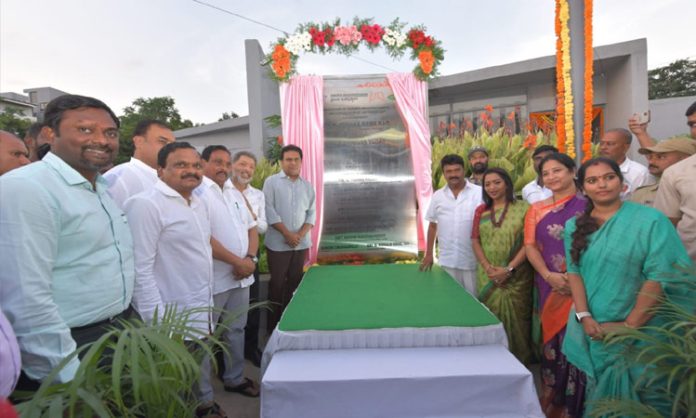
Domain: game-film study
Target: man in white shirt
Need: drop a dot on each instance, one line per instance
(453, 206)
(172, 245)
(243, 167)
(615, 145)
(140, 173)
(535, 191)
(234, 262)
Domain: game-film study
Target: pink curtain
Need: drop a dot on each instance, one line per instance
(302, 113)
(411, 100)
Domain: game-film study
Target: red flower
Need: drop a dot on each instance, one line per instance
(329, 36)
(428, 41)
(372, 34)
(488, 108)
(318, 37)
(417, 37)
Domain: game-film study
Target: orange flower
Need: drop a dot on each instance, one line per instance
(281, 61)
(426, 61)
(530, 141)
(511, 115)
(280, 53)
(488, 108)
(279, 140)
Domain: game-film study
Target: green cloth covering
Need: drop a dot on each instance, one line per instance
(636, 244)
(512, 303)
(335, 298)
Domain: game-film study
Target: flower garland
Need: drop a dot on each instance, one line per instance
(560, 88)
(347, 38)
(589, 91)
(564, 12)
(564, 100)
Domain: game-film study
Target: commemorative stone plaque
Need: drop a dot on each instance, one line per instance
(369, 197)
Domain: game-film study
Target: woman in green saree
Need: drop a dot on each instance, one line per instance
(622, 258)
(504, 278)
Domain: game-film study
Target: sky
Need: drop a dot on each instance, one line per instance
(120, 50)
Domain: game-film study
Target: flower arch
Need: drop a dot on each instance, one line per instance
(347, 38)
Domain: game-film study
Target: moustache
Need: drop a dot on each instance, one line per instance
(652, 166)
(192, 176)
(453, 178)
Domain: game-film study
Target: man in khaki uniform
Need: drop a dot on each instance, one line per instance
(660, 157)
(676, 198)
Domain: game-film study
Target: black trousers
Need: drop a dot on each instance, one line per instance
(82, 335)
(286, 273)
(251, 331)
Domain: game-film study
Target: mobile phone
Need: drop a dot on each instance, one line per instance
(642, 117)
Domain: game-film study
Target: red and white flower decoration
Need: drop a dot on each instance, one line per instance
(347, 38)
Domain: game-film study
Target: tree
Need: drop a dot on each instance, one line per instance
(159, 108)
(12, 120)
(225, 116)
(674, 80)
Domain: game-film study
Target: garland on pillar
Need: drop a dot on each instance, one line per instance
(564, 124)
(589, 91)
(564, 98)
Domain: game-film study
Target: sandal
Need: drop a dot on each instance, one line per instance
(248, 388)
(212, 411)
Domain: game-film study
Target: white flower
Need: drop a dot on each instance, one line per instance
(394, 38)
(299, 42)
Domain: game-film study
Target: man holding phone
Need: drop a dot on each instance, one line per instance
(638, 124)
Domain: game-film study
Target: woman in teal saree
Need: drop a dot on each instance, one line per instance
(622, 257)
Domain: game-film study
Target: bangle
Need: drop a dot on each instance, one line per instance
(547, 276)
(629, 326)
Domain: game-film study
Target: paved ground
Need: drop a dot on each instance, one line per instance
(236, 405)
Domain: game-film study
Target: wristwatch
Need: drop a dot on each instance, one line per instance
(254, 258)
(580, 315)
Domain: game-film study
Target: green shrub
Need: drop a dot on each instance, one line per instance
(134, 370)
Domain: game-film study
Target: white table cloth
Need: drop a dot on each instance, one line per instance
(472, 381)
(382, 338)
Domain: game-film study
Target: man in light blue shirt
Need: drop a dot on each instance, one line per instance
(65, 247)
(290, 213)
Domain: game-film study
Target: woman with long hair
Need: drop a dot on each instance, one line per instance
(562, 384)
(623, 257)
(504, 278)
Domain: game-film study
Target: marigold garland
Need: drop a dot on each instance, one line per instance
(564, 100)
(560, 88)
(589, 90)
(567, 80)
(347, 38)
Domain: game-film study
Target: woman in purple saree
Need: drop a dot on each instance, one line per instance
(563, 384)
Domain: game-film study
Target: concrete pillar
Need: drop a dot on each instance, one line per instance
(263, 96)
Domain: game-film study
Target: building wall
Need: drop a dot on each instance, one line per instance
(620, 88)
(40, 96)
(26, 111)
(667, 117)
(234, 140)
